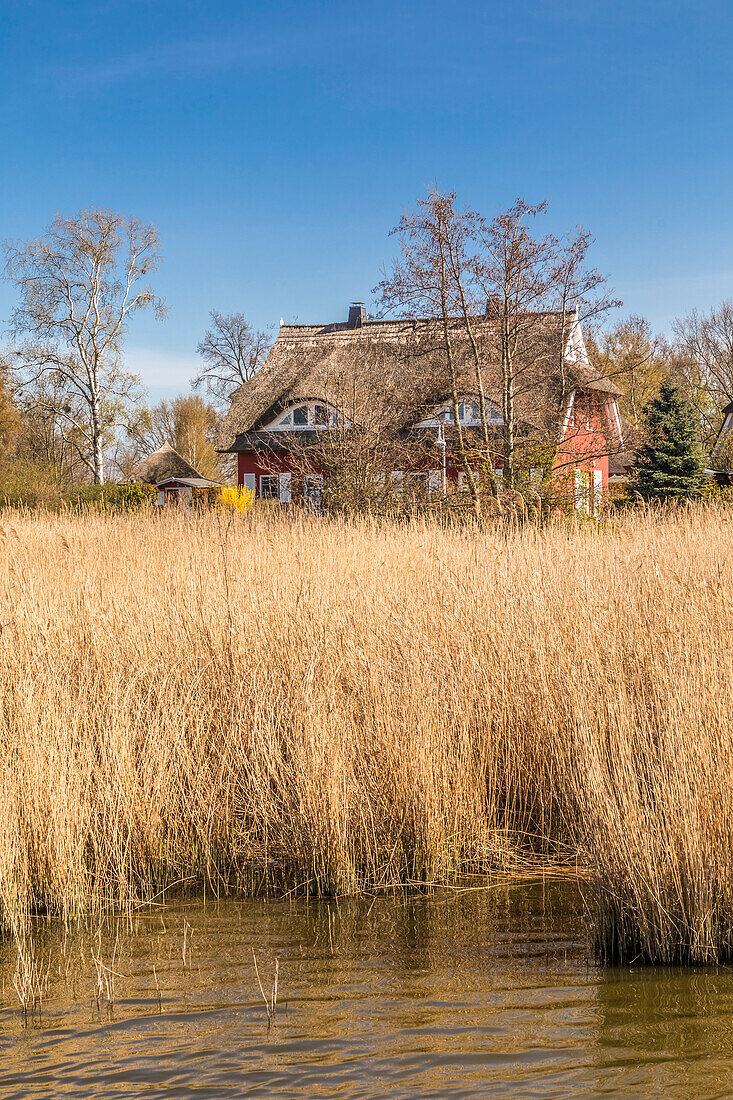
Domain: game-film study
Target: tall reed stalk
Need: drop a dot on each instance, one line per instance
(329, 706)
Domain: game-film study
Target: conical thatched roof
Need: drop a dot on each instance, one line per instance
(397, 369)
(163, 464)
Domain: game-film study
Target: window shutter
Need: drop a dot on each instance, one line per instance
(396, 476)
(249, 481)
(285, 497)
(435, 482)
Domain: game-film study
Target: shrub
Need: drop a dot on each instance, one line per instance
(30, 484)
(118, 498)
(237, 498)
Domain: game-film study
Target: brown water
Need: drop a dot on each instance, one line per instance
(486, 993)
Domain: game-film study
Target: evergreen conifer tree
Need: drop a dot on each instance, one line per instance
(670, 463)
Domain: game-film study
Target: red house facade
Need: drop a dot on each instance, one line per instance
(391, 381)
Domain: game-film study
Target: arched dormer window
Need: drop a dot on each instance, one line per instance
(469, 414)
(306, 416)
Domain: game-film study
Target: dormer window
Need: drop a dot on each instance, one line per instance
(469, 414)
(308, 416)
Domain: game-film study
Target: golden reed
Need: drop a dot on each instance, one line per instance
(328, 706)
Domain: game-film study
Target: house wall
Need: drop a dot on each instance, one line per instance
(589, 429)
(587, 433)
(254, 464)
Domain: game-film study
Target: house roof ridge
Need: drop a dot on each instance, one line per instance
(343, 326)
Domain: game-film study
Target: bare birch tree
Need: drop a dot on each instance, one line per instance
(79, 286)
(232, 351)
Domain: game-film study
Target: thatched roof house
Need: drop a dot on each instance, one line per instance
(174, 476)
(162, 465)
(390, 381)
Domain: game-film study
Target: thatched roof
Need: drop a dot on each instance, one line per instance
(397, 370)
(162, 465)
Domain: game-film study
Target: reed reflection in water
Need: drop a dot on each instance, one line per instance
(485, 993)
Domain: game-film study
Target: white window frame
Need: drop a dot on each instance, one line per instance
(270, 478)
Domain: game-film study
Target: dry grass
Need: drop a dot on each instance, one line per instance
(331, 707)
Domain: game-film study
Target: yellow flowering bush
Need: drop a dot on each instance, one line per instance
(237, 498)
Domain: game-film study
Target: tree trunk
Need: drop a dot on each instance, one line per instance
(507, 411)
(97, 452)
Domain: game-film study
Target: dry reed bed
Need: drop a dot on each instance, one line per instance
(338, 707)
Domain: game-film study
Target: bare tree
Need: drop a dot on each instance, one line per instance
(513, 270)
(188, 423)
(232, 351)
(462, 270)
(79, 286)
(578, 292)
(50, 414)
(522, 274)
(704, 363)
(635, 359)
(426, 280)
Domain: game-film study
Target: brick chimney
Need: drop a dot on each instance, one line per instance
(357, 315)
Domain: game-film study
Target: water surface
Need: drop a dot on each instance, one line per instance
(483, 993)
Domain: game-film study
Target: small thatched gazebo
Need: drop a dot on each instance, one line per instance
(174, 477)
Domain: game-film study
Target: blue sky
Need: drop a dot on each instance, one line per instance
(275, 144)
